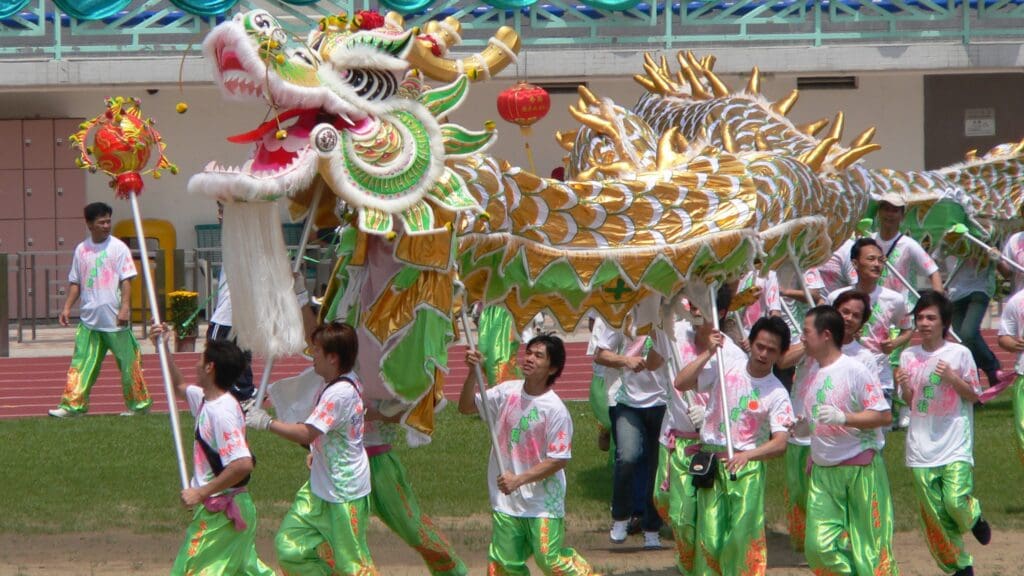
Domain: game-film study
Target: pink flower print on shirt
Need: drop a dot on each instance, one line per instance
(561, 443)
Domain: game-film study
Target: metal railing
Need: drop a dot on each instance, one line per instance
(157, 27)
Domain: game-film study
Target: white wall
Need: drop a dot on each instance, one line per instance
(892, 102)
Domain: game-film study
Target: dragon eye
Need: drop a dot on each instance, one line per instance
(262, 21)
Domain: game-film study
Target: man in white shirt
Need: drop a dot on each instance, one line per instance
(221, 539)
(888, 310)
(849, 506)
(534, 431)
(1011, 339)
(853, 306)
(101, 274)
(971, 288)
(730, 513)
(837, 272)
(333, 507)
(636, 416)
(1013, 249)
(901, 251)
(940, 384)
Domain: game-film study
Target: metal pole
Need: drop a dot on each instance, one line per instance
(792, 317)
(675, 359)
(720, 357)
(1009, 261)
(161, 346)
(803, 281)
(261, 393)
(5, 320)
(481, 385)
(906, 284)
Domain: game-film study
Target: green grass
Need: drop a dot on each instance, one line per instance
(105, 472)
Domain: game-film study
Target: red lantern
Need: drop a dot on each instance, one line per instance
(524, 104)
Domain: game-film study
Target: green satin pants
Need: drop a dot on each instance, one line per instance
(947, 511)
(514, 540)
(213, 547)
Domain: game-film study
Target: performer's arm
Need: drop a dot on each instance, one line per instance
(467, 398)
(936, 280)
(177, 380)
(65, 315)
(231, 475)
(301, 433)
(868, 419)
(1011, 343)
(612, 360)
(771, 449)
(893, 343)
(949, 376)
(903, 382)
(509, 482)
(124, 314)
(792, 357)
(686, 379)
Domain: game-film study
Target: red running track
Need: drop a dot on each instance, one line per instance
(31, 386)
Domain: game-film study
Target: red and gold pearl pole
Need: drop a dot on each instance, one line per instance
(122, 141)
(524, 104)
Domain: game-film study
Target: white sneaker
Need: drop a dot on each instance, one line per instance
(652, 541)
(135, 412)
(618, 532)
(63, 413)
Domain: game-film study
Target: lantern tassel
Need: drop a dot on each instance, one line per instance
(526, 131)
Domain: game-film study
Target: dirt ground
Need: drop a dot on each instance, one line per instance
(152, 554)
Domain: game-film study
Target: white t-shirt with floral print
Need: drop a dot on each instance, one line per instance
(757, 408)
(221, 425)
(530, 429)
(1014, 250)
(644, 389)
(909, 259)
(1011, 323)
(847, 385)
(767, 302)
(941, 422)
(340, 470)
(838, 272)
(99, 269)
(888, 309)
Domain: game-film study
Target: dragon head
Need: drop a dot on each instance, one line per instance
(340, 76)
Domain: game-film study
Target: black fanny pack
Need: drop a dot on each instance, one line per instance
(703, 468)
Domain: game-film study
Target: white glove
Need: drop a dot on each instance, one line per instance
(696, 414)
(257, 419)
(831, 415)
(299, 287)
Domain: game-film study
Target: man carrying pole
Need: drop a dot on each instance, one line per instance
(525, 473)
(746, 423)
(222, 536)
(849, 507)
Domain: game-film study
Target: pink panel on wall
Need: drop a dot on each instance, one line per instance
(12, 195)
(37, 143)
(40, 236)
(69, 190)
(39, 194)
(64, 153)
(12, 241)
(10, 144)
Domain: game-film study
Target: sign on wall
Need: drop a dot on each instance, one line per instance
(979, 122)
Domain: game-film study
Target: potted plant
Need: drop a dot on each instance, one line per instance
(182, 311)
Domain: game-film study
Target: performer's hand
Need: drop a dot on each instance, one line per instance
(474, 357)
(64, 317)
(191, 497)
(831, 415)
(156, 330)
(1018, 344)
(299, 287)
(508, 482)
(257, 419)
(943, 371)
(696, 414)
(745, 345)
(801, 427)
(888, 345)
(738, 461)
(122, 316)
(902, 378)
(634, 364)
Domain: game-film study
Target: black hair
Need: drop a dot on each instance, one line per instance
(97, 210)
(772, 325)
(555, 350)
(828, 318)
(931, 298)
(723, 298)
(340, 339)
(854, 295)
(228, 362)
(860, 244)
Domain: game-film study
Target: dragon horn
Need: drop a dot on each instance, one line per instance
(782, 107)
(694, 63)
(864, 138)
(587, 95)
(754, 84)
(1018, 148)
(850, 156)
(599, 125)
(646, 83)
(501, 51)
(659, 80)
(648, 59)
(708, 62)
(837, 126)
(566, 139)
(663, 66)
(696, 88)
(816, 157)
(717, 86)
(971, 155)
(812, 128)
